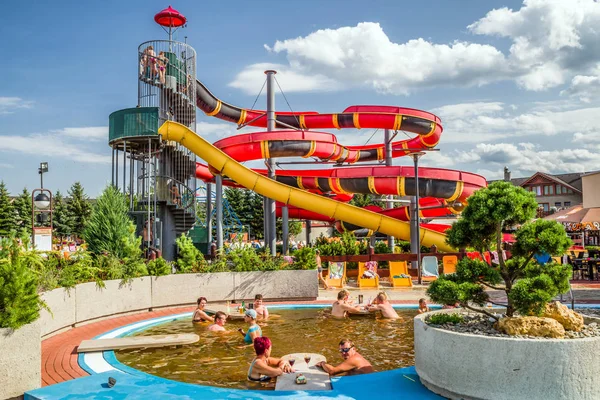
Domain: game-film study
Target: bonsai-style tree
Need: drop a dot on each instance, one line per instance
(528, 284)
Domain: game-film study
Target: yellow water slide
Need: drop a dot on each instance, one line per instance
(227, 166)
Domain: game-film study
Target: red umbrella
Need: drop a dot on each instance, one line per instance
(170, 17)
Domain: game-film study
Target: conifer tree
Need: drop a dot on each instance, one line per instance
(79, 208)
(8, 221)
(19, 300)
(108, 229)
(23, 208)
(61, 219)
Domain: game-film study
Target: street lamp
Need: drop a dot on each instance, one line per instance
(42, 205)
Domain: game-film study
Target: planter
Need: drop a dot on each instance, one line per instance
(21, 360)
(476, 367)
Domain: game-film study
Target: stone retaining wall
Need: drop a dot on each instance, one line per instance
(87, 301)
(20, 360)
(466, 366)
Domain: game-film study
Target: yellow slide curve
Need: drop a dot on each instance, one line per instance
(298, 198)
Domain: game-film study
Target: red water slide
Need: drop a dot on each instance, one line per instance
(439, 188)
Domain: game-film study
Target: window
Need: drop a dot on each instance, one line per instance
(559, 189)
(557, 204)
(544, 206)
(548, 190)
(537, 190)
(569, 190)
(567, 204)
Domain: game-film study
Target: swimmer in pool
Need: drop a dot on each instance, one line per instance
(260, 308)
(219, 325)
(254, 330)
(199, 314)
(264, 367)
(353, 364)
(341, 307)
(382, 304)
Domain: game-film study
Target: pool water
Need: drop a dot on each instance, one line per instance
(221, 358)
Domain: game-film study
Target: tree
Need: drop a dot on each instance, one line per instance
(61, 219)
(365, 199)
(527, 284)
(8, 223)
(79, 208)
(248, 207)
(23, 209)
(19, 300)
(109, 229)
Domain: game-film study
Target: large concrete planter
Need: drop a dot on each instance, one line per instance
(20, 360)
(476, 367)
(87, 301)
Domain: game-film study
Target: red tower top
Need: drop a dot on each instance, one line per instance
(170, 18)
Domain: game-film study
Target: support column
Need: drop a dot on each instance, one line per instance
(388, 163)
(124, 167)
(307, 229)
(270, 162)
(415, 244)
(208, 214)
(219, 206)
(285, 229)
(112, 171)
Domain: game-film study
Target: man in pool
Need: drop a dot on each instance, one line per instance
(260, 308)
(341, 307)
(219, 325)
(353, 364)
(382, 304)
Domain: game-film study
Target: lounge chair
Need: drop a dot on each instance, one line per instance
(367, 282)
(399, 276)
(336, 276)
(449, 264)
(429, 268)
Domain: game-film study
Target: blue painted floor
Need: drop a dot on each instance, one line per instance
(396, 384)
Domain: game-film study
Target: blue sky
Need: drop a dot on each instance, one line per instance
(516, 83)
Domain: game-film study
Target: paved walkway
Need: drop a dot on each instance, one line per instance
(59, 356)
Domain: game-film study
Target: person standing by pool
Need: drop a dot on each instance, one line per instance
(264, 367)
(320, 268)
(353, 364)
(199, 314)
(260, 308)
(254, 330)
(382, 304)
(341, 307)
(423, 307)
(219, 325)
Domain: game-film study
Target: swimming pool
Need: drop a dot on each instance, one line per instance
(221, 359)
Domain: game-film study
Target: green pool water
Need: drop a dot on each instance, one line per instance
(222, 359)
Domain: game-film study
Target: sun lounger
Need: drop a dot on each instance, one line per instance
(429, 268)
(367, 282)
(449, 264)
(336, 276)
(399, 276)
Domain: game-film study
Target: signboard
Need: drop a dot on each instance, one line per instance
(581, 226)
(43, 239)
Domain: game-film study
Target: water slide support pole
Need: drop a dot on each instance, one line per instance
(219, 216)
(270, 162)
(209, 237)
(124, 167)
(388, 163)
(285, 229)
(415, 229)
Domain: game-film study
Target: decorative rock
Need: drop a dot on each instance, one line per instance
(531, 326)
(569, 319)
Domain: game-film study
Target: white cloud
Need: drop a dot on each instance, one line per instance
(57, 143)
(9, 105)
(529, 158)
(252, 78)
(84, 133)
(485, 122)
(6, 166)
(584, 87)
(552, 39)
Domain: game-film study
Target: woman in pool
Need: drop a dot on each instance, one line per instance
(200, 315)
(264, 367)
(254, 330)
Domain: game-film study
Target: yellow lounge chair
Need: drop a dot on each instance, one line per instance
(449, 264)
(398, 268)
(336, 275)
(366, 282)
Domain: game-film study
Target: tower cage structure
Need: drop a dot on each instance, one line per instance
(158, 176)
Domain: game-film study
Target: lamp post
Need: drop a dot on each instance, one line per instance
(42, 205)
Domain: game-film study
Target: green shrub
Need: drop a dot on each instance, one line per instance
(441, 319)
(159, 267)
(304, 258)
(20, 303)
(190, 259)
